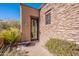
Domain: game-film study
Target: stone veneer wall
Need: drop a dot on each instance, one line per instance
(64, 22)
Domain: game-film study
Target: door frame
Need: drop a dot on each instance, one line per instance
(37, 18)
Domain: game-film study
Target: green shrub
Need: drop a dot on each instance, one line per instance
(1, 36)
(1, 40)
(8, 24)
(11, 35)
(62, 48)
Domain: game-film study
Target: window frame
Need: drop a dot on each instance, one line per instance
(48, 18)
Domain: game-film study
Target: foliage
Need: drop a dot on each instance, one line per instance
(62, 47)
(4, 25)
(1, 40)
(11, 35)
(1, 36)
(8, 24)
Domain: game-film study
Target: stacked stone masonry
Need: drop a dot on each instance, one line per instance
(64, 22)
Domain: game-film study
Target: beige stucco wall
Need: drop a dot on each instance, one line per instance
(25, 13)
(64, 22)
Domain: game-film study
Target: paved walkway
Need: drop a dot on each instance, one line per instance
(36, 50)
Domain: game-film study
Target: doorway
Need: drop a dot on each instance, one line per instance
(34, 28)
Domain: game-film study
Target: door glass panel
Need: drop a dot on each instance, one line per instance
(34, 29)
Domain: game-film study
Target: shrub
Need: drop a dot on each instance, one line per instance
(1, 40)
(8, 24)
(11, 35)
(62, 47)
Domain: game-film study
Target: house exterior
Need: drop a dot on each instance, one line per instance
(56, 20)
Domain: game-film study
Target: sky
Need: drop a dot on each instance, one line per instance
(12, 10)
(34, 5)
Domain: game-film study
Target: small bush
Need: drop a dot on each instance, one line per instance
(8, 24)
(62, 48)
(11, 35)
(1, 40)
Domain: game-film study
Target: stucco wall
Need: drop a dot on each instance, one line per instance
(64, 22)
(26, 12)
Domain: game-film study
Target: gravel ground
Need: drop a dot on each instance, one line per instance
(34, 49)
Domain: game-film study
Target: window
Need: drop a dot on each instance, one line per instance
(48, 18)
